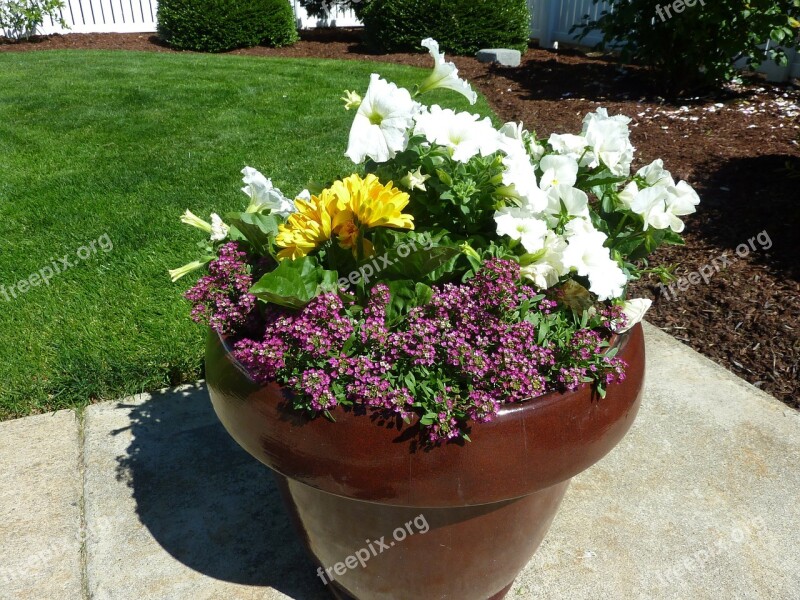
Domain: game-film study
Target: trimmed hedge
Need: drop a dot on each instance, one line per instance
(220, 25)
(460, 26)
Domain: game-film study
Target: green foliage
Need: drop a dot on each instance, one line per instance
(256, 229)
(220, 25)
(460, 26)
(471, 190)
(697, 47)
(20, 18)
(294, 283)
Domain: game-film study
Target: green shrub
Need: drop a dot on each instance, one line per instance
(460, 26)
(697, 46)
(19, 19)
(220, 25)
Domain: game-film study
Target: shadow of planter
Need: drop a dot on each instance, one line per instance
(207, 502)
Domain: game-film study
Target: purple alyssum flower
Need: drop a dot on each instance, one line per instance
(459, 357)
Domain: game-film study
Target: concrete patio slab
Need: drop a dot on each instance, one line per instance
(700, 500)
(40, 510)
(175, 509)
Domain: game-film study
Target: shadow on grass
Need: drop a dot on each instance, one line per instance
(207, 502)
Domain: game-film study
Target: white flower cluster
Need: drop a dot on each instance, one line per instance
(658, 199)
(579, 247)
(550, 217)
(387, 114)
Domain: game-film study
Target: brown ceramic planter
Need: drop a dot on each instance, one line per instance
(487, 504)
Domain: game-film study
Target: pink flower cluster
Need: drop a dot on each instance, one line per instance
(221, 298)
(456, 358)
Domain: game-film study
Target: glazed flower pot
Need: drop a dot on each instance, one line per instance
(387, 519)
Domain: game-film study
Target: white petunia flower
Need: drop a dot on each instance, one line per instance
(546, 267)
(520, 177)
(684, 198)
(634, 310)
(462, 131)
(558, 170)
(566, 198)
(445, 74)
(660, 208)
(263, 195)
(656, 174)
(568, 144)
(663, 202)
(519, 224)
(381, 126)
(608, 138)
(415, 180)
(219, 231)
(586, 254)
(607, 280)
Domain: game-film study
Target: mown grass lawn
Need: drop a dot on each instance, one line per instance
(114, 146)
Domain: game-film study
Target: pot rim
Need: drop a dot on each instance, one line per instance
(542, 441)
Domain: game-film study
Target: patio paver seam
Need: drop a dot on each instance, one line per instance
(84, 562)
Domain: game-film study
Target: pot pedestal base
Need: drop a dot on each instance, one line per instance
(413, 553)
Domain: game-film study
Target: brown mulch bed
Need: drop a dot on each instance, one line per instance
(740, 149)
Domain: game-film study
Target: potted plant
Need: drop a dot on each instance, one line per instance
(428, 349)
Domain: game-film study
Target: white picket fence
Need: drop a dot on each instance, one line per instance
(105, 16)
(551, 22)
(127, 16)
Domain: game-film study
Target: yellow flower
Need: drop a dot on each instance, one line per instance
(346, 209)
(372, 203)
(310, 226)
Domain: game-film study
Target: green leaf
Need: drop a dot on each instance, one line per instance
(420, 263)
(629, 245)
(777, 35)
(444, 177)
(601, 179)
(429, 419)
(295, 283)
(259, 230)
(670, 237)
(405, 295)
